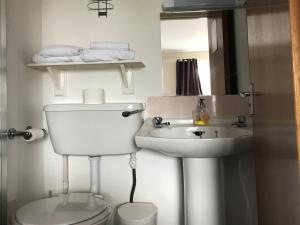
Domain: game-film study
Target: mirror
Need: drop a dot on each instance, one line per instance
(205, 53)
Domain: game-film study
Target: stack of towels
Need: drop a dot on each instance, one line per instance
(58, 54)
(107, 51)
(98, 51)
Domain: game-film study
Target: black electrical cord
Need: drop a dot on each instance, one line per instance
(133, 185)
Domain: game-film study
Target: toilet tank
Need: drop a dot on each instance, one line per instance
(93, 130)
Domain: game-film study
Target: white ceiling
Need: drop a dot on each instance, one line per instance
(184, 35)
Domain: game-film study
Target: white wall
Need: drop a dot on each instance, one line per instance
(25, 161)
(133, 21)
(182, 39)
(136, 22)
(184, 35)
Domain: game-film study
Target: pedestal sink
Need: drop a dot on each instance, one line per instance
(201, 149)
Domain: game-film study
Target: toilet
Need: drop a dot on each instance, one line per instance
(88, 130)
(137, 214)
(74, 208)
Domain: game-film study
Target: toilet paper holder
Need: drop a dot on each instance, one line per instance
(11, 133)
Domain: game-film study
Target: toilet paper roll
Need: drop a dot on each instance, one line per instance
(35, 134)
(93, 96)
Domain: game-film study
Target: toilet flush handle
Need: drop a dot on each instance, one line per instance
(129, 113)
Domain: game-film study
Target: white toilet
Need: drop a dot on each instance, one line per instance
(86, 130)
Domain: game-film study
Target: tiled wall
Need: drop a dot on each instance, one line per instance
(183, 106)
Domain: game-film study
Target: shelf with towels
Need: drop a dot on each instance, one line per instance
(57, 72)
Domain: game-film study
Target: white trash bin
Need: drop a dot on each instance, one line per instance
(137, 214)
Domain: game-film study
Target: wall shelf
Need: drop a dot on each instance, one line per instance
(57, 72)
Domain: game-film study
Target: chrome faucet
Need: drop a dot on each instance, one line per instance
(240, 121)
(157, 122)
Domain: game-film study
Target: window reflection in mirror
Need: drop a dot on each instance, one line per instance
(205, 53)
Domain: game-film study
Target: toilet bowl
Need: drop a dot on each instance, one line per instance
(137, 214)
(74, 208)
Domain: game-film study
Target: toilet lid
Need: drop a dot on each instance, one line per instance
(62, 210)
(137, 213)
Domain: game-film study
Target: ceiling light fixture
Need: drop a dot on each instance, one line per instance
(101, 6)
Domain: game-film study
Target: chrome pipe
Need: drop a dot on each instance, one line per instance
(12, 133)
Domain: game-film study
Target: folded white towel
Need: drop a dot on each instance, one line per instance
(88, 55)
(37, 58)
(60, 50)
(106, 45)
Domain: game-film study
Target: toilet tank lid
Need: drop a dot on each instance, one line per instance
(94, 107)
(137, 213)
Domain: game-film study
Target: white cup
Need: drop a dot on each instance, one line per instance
(93, 96)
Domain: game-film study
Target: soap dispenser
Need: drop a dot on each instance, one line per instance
(200, 115)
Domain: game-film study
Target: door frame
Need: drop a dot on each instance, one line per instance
(3, 114)
(295, 36)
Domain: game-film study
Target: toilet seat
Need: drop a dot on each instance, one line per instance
(74, 208)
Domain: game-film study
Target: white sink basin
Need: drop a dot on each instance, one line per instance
(179, 140)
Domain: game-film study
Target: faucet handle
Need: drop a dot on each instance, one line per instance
(157, 120)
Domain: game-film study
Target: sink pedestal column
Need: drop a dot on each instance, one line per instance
(203, 191)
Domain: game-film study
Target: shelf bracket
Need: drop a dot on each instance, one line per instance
(127, 79)
(59, 79)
